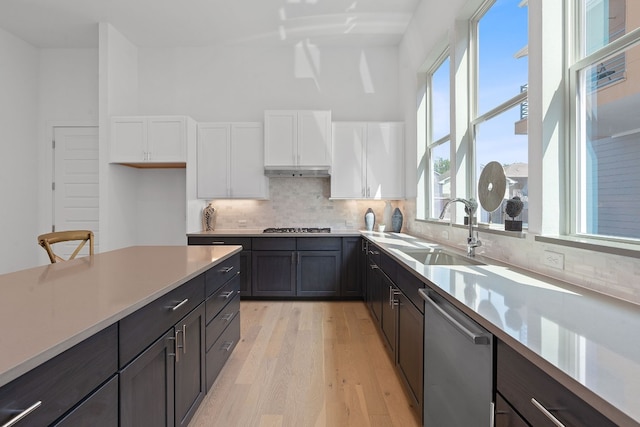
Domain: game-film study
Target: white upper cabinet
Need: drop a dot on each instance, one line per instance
(368, 160)
(230, 161)
(297, 138)
(148, 140)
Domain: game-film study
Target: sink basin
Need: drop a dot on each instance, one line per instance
(437, 256)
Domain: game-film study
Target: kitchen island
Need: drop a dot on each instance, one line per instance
(54, 310)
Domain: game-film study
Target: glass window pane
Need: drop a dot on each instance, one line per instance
(441, 101)
(440, 178)
(605, 21)
(609, 150)
(502, 50)
(499, 139)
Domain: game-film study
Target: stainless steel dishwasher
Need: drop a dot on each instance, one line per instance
(458, 367)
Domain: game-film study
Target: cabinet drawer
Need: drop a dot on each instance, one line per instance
(221, 273)
(221, 321)
(99, 410)
(409, 285)
(221, 350)
(520, 381)
(218, 300)
(141, 328)
(389, 266)
(319, 243)
(245, 242)
(63, 381)
(273, 244)
(506, 416)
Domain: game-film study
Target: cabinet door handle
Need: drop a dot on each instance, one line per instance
(184, 339)
(227, 294)
(180, 304)
(13, 421)
(225, 270)
(227, 346)
(178, 346)
(392, 297)
(546, 412)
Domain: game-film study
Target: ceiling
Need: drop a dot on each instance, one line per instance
(175, 23)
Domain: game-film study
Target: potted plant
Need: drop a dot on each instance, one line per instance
(513, 208)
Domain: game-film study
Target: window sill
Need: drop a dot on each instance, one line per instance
(483, 228)
(596, 245)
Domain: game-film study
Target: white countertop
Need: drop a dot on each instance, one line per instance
(592, 338)
(46, 310)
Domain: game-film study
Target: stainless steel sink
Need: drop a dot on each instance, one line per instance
(437, 256)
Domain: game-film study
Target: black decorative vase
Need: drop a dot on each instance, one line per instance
(396, 221)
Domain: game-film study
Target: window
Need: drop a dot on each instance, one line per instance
(605, 79)
(436, 120)
(499, 125)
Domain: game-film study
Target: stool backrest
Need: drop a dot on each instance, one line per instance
(49, 239)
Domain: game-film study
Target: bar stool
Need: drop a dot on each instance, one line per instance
(48, 239)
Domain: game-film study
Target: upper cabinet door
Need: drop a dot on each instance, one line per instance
(128, 139)
(247, 162)
(385, 160)
(314, 138)
(213, 160)
(167, 139)
(280, 138)
(144, 140)
(348, 169)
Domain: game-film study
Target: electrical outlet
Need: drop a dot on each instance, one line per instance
(242, 223)
(554, 259)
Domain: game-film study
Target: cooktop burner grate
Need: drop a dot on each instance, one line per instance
(298, 230)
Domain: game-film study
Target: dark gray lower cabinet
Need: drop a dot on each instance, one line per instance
(273, 274)
(351, 267)
(318, 273)
(389, 323)
(60, 385)
(538, 397)
(164, 385)
(147, 386)
(410, 349)
(99, 410)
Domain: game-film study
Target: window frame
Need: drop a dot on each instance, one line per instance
(474, 119)
(576, 64)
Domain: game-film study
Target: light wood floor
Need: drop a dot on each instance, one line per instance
(306, 364)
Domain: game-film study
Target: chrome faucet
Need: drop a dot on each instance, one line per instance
(470, 207)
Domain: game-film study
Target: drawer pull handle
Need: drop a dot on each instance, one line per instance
(226, 295)
(546, 412)
(180, 304)
(21, 415)
(374, 267)
(215, 242)
(227, 317)
(225, 270)
(227, 346)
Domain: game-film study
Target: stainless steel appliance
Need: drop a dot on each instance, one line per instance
(298, 230)
(458, 367)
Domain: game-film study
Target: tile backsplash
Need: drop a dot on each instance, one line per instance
(298, 202)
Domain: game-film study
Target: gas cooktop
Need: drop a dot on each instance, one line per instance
(298, 230)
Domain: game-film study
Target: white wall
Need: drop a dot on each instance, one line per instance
(239, 83)
(18, 151)
(68, 96)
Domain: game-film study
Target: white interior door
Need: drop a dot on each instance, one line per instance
(75, 189)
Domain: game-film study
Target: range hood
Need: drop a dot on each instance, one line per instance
(297, 171)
